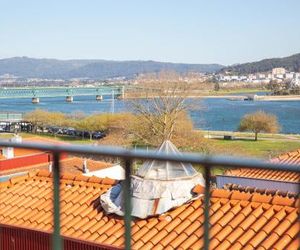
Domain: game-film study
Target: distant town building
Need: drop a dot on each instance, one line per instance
(289, 75)
(278, 71)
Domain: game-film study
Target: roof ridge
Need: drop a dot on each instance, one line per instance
(18, 178)
(78, 177)
(264, 191)
(286, 154)
(254, 196)
(64, 177)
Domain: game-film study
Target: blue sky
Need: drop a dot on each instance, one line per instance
(215, 31)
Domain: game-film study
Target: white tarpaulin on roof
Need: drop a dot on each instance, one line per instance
(156, 188)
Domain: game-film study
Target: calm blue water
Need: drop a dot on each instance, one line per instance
(216, 114)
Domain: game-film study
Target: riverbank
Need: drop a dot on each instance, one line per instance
(215, 134)
(278, 98)
(233, 97)
(195, 93)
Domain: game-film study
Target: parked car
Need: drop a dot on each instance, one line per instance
(78, 133)
(98, 135)
(55, 130)
(69, 131)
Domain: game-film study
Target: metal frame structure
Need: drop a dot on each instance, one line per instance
(208, 163)
(32, 92)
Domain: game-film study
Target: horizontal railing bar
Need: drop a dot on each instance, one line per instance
(194, 158)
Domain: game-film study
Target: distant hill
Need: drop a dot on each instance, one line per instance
(96, 69)
(291, 63)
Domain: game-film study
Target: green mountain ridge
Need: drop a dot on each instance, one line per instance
(96, 69)
(290, 63)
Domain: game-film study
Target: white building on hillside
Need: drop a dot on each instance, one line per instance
(278, 71)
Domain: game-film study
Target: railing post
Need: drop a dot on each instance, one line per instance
(206, 206)
(57, 242)
(299, 202)
(127, 203)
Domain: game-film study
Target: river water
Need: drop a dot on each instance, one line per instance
(214, 114)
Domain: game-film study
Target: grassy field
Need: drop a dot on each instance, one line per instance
(263, 149)
(249, 135)
(246, 147)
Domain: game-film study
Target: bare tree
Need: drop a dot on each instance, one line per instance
(158, 116)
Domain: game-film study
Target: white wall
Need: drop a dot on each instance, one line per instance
(116, 172)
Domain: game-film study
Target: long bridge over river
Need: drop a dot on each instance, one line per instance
(35, 93)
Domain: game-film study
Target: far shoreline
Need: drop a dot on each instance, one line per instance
(279, 98)
(236, 97)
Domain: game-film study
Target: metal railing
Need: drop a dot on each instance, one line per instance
(208, 163)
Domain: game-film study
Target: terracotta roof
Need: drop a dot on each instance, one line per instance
(40, 139)
(276, 175)
(18, 152)
(69, 165)
(238, 219)
(288, 158)
(266, 191)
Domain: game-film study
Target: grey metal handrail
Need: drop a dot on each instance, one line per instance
(153, 155)
(208, 162)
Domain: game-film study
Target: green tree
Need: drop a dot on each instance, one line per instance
(258, 122)
(41, 119)
(91, 124)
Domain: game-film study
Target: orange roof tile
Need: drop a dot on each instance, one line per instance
(276, 175)
(71, 165)
(263, 193)
(40, 139)
(288, 158)
(22, 152)
(18, 152)
(238, 219)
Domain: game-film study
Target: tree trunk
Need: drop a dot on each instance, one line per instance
(91, 136)
(35, 129)
(256, 134)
